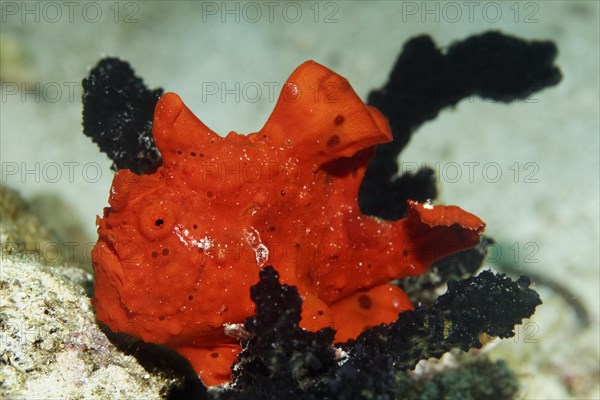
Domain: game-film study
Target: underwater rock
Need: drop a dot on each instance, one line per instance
(43, 228)
(52, 346)
(22, 231)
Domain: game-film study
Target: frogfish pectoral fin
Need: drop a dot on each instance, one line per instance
(212, 364)
(379, 305)
(433, 232)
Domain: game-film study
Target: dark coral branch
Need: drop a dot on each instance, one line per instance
(281, 360)
(487, 303)
(117, 115)
(280, 353)
(425, 80)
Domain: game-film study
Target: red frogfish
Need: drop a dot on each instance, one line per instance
(179, 249)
